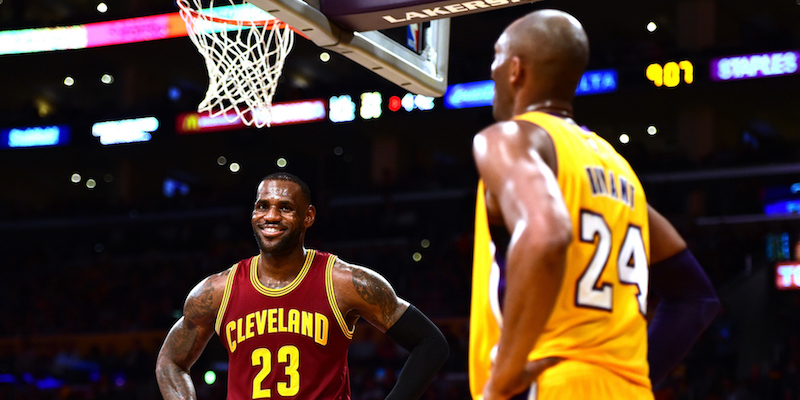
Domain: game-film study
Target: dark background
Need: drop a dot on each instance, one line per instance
(92, 279)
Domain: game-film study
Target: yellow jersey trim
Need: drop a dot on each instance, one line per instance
(225, 297)
(347, 331)
(286, 289)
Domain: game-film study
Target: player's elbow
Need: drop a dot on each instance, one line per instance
(161, 370)
(545, 236)
(436, 347)
(163, 364)
(438, 351)
(550, 248)
(709, 308)
(166, 366)
(564, 237)
(560, 232)
(554, 241)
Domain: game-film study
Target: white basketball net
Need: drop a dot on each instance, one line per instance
(244, 49)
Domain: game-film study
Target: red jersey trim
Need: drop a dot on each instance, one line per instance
(346, 330)
(225, 297)
(286, 289)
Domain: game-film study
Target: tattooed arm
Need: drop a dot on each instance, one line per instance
(188, 338)
(361, 292)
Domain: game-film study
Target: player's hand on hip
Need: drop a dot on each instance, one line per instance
(528, 376)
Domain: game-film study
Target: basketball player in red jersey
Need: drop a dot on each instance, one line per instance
(566, 245)
(286, 316)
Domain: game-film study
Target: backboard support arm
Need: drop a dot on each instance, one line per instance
(425, 75)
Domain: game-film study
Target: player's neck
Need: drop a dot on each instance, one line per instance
(558, 108)
(279, 270)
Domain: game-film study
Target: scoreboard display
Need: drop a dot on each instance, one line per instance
(671, 74)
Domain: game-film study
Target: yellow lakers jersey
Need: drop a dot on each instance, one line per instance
(599, 316)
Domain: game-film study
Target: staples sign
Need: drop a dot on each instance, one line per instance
(787, 275)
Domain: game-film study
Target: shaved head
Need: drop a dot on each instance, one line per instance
(551, 49)
(550, 35)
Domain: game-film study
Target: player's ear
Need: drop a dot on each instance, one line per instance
(515, 71)
(311, 216)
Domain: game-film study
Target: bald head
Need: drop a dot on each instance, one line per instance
(549, 36)
(551, 50)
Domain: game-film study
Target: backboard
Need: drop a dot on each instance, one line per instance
(423, 72)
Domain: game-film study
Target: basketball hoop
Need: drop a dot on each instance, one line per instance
(244, 49)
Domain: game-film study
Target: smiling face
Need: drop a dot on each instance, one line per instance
(280, 217)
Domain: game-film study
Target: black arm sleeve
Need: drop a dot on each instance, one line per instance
(429, 350)
(687, 306)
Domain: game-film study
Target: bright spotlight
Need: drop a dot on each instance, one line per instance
(281, 162)
(651, 26)
(624, 138)
(69, 81)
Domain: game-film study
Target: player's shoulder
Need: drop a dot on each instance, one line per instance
(512, 140)
(512, 134)
(353, 280)
(219, 279)
(514, 129)
(205, 298)
(347, 272)
(365, 292)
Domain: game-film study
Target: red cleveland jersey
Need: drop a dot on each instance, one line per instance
(288, 343)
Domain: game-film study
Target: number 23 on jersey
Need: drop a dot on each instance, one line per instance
(287, 357)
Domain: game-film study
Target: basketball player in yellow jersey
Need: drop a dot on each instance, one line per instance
(566, 243)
